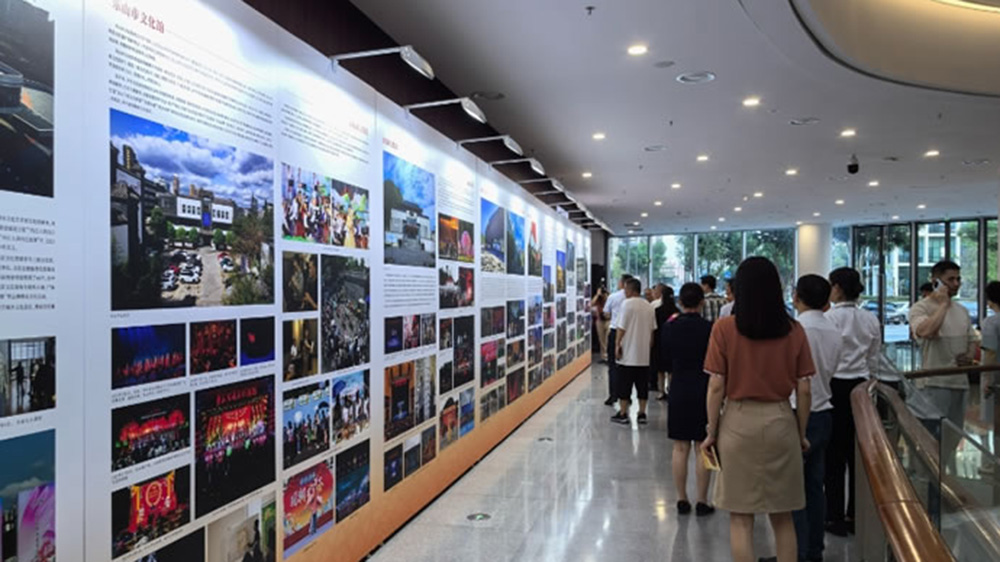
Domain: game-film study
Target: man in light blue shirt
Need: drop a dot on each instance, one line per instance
(613, 307)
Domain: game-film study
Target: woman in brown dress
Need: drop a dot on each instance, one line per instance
(756, 359)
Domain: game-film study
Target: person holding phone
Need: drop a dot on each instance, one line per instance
(756, 359)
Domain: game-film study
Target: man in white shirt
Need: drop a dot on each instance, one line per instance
(727, 309)
(812, 295)
(634, 326)
(611, 307)
(947, 339)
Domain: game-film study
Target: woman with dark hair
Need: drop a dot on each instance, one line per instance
(666, 311)
(859, 356)
(756, 359)
(682, 345)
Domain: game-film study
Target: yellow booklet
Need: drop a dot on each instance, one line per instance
(710, 458)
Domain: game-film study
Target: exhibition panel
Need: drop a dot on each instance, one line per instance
(308, 314)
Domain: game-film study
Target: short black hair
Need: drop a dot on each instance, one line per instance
(849, 281)
(993, 292)
(625, 277)
(668, 291)
(944, 265)
(927, 288)
(709, 281)
(760, 307)
(691, 295)
(813, 291)
(633, 285)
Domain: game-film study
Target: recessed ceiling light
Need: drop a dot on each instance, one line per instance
(598, 136)
(895, 217)
(713, 227)
(737, 209)
(847, 133)
(638, 50)
(791, 172)
(631, 232)
(587, 175)
(644, 215)
(658, 203)
(696, 77)
(703, 158)
(798, 223)
(752, 101)
(932, 153)
(675, 186)
(839, 201)
(800, 121)
(921, 206)
(817, 213)
(722, 219)
(873, 183)
(636, 223)
(758, 194)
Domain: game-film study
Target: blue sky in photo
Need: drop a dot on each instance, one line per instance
(36, 464)
(416, 184)
(515, 224)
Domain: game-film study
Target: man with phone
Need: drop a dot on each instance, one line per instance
(947, 339)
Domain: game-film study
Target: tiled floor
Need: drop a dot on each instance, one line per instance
(596, 491)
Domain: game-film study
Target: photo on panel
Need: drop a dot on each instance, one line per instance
(28, 375)
(192, 220)
(213, 346)
(560, 272)
(308, 502)
(27, 496)
(346, 324)
(466, 411)
(351, 405)
(353, 479)
(465, 350)
(246, 533)
(534, 251)
(466, 244)
(300, 273)
(306, 413)
(448, 423)
(301, 353)
(149, 430)
(150, 509)
(399, 396)
(515, 318)
(428, 444)
(515, 244)
(409, 209)
(411, 455)
(445, 334)
(393, 334)
(392, 467)
(323, 210)
(190, 548)
(147, 354)
(447, 237)
(492, 257)
(256, 341)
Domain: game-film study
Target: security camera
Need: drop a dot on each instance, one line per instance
(852, 165)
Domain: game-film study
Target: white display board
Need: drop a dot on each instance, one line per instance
(264, 294)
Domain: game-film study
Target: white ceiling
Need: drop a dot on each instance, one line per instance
(566, 75)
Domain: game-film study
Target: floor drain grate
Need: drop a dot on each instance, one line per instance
(478, 516)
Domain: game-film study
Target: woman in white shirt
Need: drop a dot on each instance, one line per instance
(862, 344)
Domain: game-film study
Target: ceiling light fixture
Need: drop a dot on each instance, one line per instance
(508, 141)
(817, 213)
(713, 227)
(839, 201)
(752, 101)
(932, 153)
(895, 217)
(758, 194)
(791, 172)
(598, 136)
(536, 166)
(722, 219)
(848, 133)
(644, 215)
(469, 106)
(636, 223)
(587, 175)
(675, 186)
(555, 183)
(703, 158)
(658, 203)
(798, 223)
(981, 5)
(638, 50)
(921, 206)
(406, 52)
(701, 77)
(873, 183)
(737, 209)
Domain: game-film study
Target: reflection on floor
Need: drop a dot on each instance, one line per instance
(596, 491)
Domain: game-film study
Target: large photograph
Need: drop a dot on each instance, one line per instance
(306, 413)
(492, 235)
(150, 509)
(353, 479)
(234, 442)
(351, 405)
(345, 314)
(320, 209)
(534, 251)
(27, 123)
(515, 244)
(308, 501)
(27, 375)
(191, 219)
(409, 213)
(149, 430)
(147, 354)
(27, 497)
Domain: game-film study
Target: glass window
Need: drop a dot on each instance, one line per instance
(672, 259)
(866, 258)
(841, 254)
(930, 249)
(898, 289)
(779, 247)
(629, 255)
(965, 252)
(719, 254)
(618, 250)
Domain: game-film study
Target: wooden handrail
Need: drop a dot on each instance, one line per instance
(908, 529)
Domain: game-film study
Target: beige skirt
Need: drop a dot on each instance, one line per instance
(761, 458)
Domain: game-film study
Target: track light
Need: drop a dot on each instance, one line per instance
(406, 52)
(535, 164)
(509, 142)
(467, 104)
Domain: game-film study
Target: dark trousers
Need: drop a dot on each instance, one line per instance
(840, 453)
(809, 522)
(612, 364)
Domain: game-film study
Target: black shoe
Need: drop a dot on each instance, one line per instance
(664, 397)
(683, 507)
(703, 509)
(836, 528)
(641, 418)
(610, 402)
(620, 418)
(768, 559)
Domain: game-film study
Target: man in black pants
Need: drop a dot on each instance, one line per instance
(635, 325)
(613, 307)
